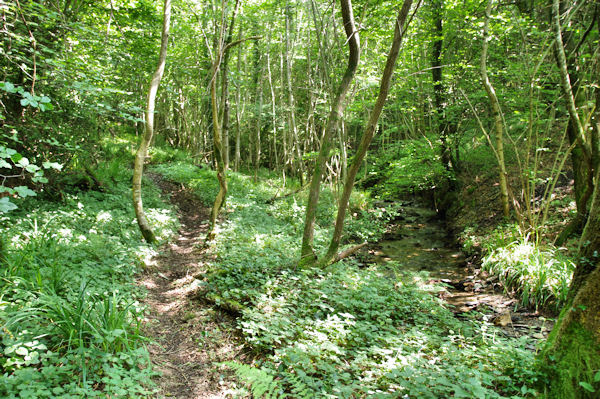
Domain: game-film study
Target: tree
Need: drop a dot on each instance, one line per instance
(222, 48)
(497, 113)
(307, 255)
(142, 152)
(442, 125)
(584, 156)
(400, 27)
(572, 354)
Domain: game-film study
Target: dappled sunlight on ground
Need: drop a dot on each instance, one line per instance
(190, 336)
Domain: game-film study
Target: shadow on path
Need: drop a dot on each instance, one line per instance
(189, 336)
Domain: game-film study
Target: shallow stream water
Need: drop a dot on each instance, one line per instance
(419, 241)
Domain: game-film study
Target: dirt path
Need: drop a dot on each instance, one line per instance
(190, 336)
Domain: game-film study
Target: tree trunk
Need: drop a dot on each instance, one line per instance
(572, 354)
(217, 142)
(307, 256)
(582, 153)
(367, 137)
(273, 156)
(238, 99)
(218, 148)
(138, 168)
(256, 152)
(497, 112)
(438, 84)
(291, 103)
(225, 89)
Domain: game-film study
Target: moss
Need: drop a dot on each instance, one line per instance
(571, 357)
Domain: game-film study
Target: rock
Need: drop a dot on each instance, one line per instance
(538, 336)
(503, 319)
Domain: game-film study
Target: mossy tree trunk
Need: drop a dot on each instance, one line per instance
(572, 355)
(142, 152)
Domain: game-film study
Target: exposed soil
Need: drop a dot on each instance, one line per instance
(190, 336)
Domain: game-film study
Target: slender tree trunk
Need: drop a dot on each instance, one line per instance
(438, 84)
(386, 79)
(292, 107)
(225, 88)
(307, 252)
(285, 157)
(217, 142)
(238, 95)
(142, 152)
(218, 148)
(582, 153)
(274, 156)
(257, 137)
(497, 112)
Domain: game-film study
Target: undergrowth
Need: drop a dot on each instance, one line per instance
(539, 275)
(407, 167)
(350, 330)
(69, 311)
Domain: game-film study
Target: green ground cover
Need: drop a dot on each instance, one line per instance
(69, 308)
(350, 330)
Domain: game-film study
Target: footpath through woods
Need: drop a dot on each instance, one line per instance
(190, 336)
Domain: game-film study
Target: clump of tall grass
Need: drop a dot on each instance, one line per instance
(540, 275)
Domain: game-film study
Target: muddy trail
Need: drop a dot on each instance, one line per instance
(419, 241)
(189, 336)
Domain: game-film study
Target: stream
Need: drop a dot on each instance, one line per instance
(419, 241)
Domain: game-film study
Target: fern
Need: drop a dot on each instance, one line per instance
(299, 389)
(262, 384)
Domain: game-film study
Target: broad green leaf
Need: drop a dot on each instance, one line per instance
(24, 191)
(22, 351)
(8, 87)
(4, 164)
(6, 205)
(31, 168)
(587, 386)
(52, 165)
(23, 162)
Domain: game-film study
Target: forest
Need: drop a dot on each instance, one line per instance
(300, 199)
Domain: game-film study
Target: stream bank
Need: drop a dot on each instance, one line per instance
(419, 241)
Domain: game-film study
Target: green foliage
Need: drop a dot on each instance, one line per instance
(540, 275)
(571, 365)
(69, 310)
(350, 330)
(163, 154)
(407, 167)
(19, 167)
(262, 383)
